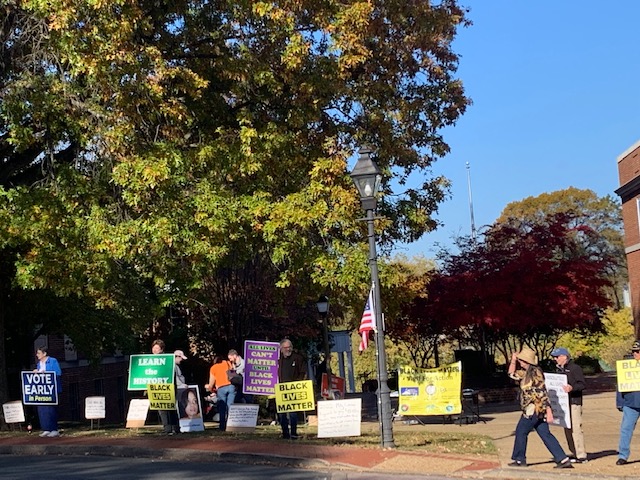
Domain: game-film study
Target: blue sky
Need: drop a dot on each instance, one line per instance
(555, 87)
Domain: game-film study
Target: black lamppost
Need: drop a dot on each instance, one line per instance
(367, 178)
(323, 310)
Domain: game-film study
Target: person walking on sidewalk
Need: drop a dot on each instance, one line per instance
(291, 368)
(48, 414)
(629, 404)
(575, 386)
(536, 410)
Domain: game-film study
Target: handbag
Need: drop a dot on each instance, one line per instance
(234, 377)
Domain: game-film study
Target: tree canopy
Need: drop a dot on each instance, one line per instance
(146, 144)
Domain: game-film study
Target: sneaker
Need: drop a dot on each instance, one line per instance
(54, 433)
(517, 463)
(621, 461)
(564, 464)
(45, 433)
(294, 437)
(579, 460)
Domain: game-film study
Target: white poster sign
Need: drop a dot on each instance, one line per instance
(13, 412)
(559, 399)
(242, 417)
(339, 418)
(94, 408)
(137, 414)
(189, 409)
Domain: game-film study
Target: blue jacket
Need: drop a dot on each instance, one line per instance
(52, 365)
(628, 399)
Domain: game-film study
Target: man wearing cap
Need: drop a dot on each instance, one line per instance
(180, 380)
(629, 404)
(575, 386)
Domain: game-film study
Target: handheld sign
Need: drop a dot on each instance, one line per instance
(558, 398)
(39, 388)
(295, 396)
(150, 369)
(161, 396)
(260, 367)
(628, 375)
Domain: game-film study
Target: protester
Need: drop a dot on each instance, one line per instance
(237, 363)
(536, 410)
(180, 380)
(226, 393)
(575, 386)
(48, 414)
(291, 368)
(169, 418)
(629, 404)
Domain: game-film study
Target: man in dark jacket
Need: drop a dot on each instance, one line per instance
(629, 404)
(575, 387)
(291, 368)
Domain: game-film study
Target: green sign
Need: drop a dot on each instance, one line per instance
(150, 369)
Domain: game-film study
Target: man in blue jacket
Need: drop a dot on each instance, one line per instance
(629, 404)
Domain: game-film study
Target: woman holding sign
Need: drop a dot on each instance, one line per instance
(48, 414)
(536, 410)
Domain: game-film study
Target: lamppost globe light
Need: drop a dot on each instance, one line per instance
(323, 304)
(367, 179)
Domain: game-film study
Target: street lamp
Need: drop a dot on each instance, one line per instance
(323, 310)
(367, 178)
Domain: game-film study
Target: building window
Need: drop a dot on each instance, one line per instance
(98, 387)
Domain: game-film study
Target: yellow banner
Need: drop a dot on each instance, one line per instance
(628, 375)
(435, 391)
(162, 396)
(295, 396)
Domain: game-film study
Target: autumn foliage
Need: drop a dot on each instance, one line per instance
(523, 284)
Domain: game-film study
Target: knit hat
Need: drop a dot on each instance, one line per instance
(528, 355)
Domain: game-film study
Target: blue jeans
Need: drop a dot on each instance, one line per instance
(226, 397)
(629, 419)
(524, 427)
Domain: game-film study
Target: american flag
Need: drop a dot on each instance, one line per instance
(367, 323)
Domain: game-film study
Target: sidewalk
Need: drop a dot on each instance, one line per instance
(602, 421)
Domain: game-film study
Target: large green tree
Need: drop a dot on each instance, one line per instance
(146, 143)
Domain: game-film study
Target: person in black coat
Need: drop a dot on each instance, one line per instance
(576, 385)
(291, 368)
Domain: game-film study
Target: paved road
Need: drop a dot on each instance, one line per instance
(122, 468)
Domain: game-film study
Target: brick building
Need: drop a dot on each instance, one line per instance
(629, 192)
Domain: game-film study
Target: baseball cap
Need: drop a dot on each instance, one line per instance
(636, 346)
(180, 353)
(559, 351)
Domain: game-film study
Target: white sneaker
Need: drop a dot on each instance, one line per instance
(45, 433)
(54, 433)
